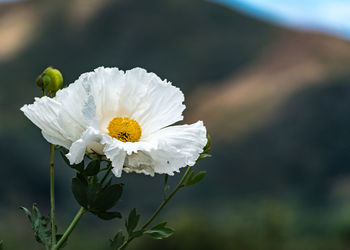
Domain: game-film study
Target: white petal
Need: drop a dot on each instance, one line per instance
(153, 103)
(44, 113)
(113, 152)
(177, 147)
(140, 162)
(78, 148)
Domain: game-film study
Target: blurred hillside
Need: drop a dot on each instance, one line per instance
(276, 101)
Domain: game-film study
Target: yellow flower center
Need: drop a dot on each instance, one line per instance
(124, 129)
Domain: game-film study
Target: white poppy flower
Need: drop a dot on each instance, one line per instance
(123, 115)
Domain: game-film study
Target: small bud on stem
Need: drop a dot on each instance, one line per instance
(51, 80)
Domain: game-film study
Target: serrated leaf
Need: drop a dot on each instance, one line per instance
(107, 198)
(40, 225)
(117, 241)
(197, 178)
(79, 190)
(160, 231)
(109, 215)
(133, 220)
(92, 168)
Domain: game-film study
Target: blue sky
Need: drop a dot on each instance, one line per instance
(331, 16)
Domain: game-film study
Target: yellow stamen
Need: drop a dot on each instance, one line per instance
(124, 129)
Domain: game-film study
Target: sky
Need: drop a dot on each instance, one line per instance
(330, 16)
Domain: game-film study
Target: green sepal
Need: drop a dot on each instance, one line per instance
(160, 231)
(133, 220)
(193, 179)
(92, 168)
(80, 190)
(117, 241)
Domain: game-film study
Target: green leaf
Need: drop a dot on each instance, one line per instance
(1, 245)
(107, 198)
(190, 176)
(117, 241)
(160, 231)
(92, 168)
(93, 190)
(133, 220)
(40, 225)
(197, 178)
(108, 215)
(82, 178)
(80, 190)
(28, 213)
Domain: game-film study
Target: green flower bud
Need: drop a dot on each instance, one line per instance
(51, 80)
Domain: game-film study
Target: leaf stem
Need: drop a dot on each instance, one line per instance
(52, 194)
(162, 205)
(70, 228)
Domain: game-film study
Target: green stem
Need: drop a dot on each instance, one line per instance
(162, 205)
(52, 194)
(70, 228)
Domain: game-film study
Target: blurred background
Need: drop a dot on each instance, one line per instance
(270, 79)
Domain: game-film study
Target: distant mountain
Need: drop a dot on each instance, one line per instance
(188, 42)
(294, 62)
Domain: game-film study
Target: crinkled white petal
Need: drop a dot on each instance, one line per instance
(44, 113)
(78, 148)
(144, 97)
(117, 157)
(177, 147)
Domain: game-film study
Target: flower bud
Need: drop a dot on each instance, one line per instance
(51, 80)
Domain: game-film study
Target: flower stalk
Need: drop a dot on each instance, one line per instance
(162, 205)
(70, 228)
(52, 195)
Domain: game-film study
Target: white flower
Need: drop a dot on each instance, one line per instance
(123, 115)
